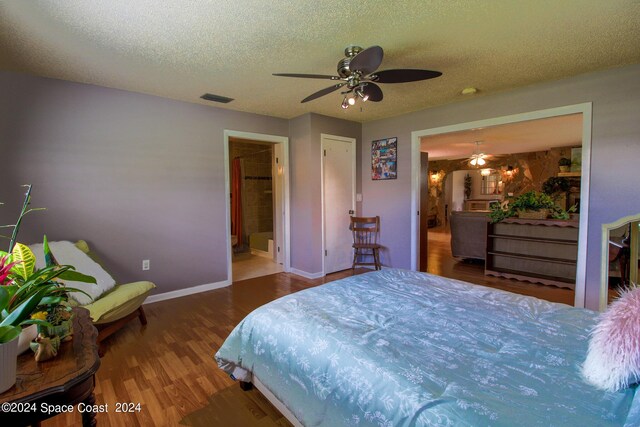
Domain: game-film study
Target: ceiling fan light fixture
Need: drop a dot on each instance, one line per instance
(362, 95)
(477, 158)
(351, 101)
(345, 103)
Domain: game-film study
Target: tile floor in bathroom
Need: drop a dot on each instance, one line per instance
(247, 266)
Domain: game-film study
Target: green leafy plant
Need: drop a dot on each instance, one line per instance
(30, 281)
(467, 186)
(556, 185)
(562, 214)
(529, 201)
(532, 201)
(25, 289)
(498, 213)
(12, 320)
(564, 161)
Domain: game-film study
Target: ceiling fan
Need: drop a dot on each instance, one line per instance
(357, 74)
(477, 158)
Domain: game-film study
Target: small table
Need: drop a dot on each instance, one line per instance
(67, 379)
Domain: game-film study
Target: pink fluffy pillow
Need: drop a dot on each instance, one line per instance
(613, 358)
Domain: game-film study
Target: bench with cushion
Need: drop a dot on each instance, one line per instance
(110, 305)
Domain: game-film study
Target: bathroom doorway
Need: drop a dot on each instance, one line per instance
(257, 220)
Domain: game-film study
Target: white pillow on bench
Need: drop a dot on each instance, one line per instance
(66, 253)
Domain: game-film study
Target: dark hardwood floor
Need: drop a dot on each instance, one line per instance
(441, 262)
(168, 365)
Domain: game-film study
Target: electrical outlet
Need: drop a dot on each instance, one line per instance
(146, 264)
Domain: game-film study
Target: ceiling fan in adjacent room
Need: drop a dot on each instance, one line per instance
(477, 158)
(358, 76)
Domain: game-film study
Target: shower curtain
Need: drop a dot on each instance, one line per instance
(236, 200)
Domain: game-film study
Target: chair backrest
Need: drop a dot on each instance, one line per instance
(365, 230)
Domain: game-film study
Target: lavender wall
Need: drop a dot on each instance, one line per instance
(306, 200)
(615, 95)
(139, 177)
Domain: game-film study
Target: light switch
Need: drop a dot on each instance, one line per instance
(358, 197)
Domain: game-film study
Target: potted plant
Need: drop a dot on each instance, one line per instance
(533, 205)
(11, 322)
(564, 164)
(556, 185)
(467, 186)
(529, 205)
(22, 281)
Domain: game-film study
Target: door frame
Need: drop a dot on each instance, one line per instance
(585, 109)
(274, 139)
(324, 136)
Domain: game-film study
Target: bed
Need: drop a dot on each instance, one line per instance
(401, 348)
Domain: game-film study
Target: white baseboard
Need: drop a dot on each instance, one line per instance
(187, 291)
(307, 275)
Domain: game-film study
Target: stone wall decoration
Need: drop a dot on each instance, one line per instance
(384, 159)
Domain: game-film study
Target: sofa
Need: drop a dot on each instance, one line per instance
(110, 305)
(469, 234)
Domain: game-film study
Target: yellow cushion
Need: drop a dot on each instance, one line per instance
(120, 301)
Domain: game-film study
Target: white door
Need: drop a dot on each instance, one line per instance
(338, 195)
(278, 211)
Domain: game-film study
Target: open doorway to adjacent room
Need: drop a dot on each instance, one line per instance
(469, 169)
(257, 206)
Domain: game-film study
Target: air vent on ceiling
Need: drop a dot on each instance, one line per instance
(216, 98)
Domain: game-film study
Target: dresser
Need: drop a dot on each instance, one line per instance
(537, 251)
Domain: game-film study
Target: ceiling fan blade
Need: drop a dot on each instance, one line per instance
(322, 92)
(404, 75)
(367, 61)
(307, 76)
(373, 91)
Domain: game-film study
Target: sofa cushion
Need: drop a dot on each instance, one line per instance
(66, 253)
(120, 301)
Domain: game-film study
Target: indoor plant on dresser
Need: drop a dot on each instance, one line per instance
(530, 205)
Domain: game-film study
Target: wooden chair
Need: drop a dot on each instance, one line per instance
(365, 240)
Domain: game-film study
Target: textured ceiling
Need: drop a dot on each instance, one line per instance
(521, 137)
(182, 49)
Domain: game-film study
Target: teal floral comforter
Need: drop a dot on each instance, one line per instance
(400, 348)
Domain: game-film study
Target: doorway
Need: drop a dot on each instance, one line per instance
(256, 172)
(583, 109)
(338, 201)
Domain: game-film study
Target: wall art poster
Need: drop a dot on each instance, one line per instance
(384, 159)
